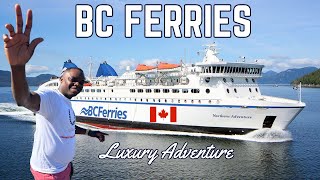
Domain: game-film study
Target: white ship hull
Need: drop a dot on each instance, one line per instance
(204, 118)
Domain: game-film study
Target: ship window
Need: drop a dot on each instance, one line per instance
(257, 90)
(185, 101)
(184, 90)
(191, 101)
(199, 101)
(132, 90)
(159, 100)
(247, 80)
(98, 90)
(93, 90)
(104, 90)
(224, 80)
(175, 90)
(195, 90)
(140, 90)
(147, 100)
(154, 100)
(165, 90)
(148, 90)
(156, 90)
(82, 90)
(253, 80)
(207, 91)
(111, 90)
(165, 100)
(232, 80)
(228, 91)
(207, 79)
(222, 69)
(250, 90)
(141, 100)
(210, 101)
(218, 69)
(179, 101)
(214, 69)
(235, 90)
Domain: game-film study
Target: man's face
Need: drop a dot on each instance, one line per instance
(71, 83)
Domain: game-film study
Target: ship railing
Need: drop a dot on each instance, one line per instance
(277, 99)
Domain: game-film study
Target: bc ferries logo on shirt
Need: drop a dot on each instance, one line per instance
(99, 111)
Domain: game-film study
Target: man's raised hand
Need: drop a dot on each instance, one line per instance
(17, 46)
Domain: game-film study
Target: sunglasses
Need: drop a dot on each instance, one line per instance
(76, 80)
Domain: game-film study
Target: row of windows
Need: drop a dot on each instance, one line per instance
(227, 69)
(235, 90)
(146, 100)
(232, 80)
(165, 90)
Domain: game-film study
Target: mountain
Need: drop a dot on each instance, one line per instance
(311, 79)
(285, 77)
(5, 79)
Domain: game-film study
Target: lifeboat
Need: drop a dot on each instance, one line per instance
(143, 67)
(87, 84)
(163, 65)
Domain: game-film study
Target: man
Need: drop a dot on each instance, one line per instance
(54, 139)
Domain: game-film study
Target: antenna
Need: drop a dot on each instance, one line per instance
(90, 67)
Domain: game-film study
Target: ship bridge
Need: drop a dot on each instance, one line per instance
(212, 66)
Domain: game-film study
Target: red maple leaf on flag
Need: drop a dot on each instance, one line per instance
(163, 114)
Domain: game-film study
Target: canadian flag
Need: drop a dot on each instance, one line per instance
(163, 114)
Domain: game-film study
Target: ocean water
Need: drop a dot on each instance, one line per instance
(263, 154)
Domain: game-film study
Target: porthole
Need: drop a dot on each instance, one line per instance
(209, 101)
(250, 90)
(232, 80)
(207, 91)
(235, 90)
(207, 79)
(228, 91)
(224, 80)
(191, 101)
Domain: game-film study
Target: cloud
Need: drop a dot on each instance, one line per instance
(278, 65)
(31, 69)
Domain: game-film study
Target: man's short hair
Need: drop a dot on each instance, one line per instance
(68, 69)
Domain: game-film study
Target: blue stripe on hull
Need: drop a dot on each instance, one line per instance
(169, 127)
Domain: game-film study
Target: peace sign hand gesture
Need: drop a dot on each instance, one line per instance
(17, 48)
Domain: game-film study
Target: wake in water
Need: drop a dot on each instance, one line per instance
(261, 135)
(20, 113)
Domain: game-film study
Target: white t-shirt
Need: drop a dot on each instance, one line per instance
(54, 138)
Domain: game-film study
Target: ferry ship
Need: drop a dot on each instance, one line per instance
(212, 96)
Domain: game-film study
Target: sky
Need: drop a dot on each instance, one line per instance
(284, 35)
